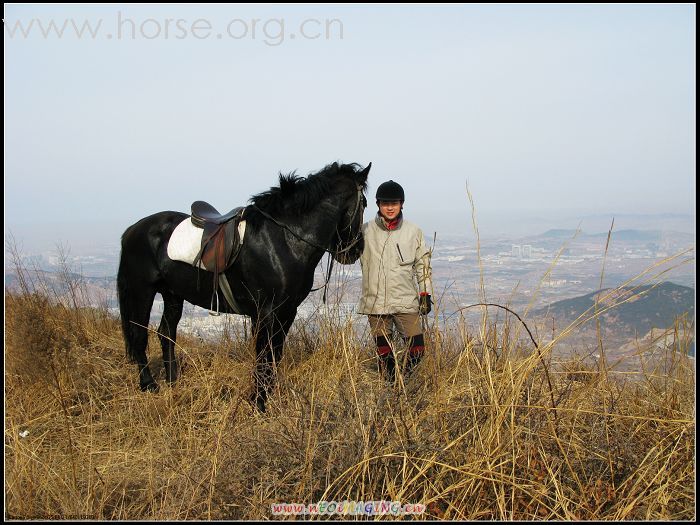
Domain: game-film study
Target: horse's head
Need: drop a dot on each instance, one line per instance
(350, 241)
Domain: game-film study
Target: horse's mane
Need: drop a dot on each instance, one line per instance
(298, 195)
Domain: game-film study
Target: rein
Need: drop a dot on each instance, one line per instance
(333, 253)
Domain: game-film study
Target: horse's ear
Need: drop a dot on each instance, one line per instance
(362, 176)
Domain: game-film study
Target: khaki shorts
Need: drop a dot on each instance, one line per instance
(408, 324)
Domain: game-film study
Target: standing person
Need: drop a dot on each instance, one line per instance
(394, 261)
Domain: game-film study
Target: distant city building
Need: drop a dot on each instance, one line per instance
(527, 251)
(554, 283)
(515, 251)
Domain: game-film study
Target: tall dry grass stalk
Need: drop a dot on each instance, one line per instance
(476, 433)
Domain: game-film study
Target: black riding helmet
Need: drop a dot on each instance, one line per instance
(390, 191)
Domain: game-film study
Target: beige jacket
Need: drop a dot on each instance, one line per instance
(392, 263)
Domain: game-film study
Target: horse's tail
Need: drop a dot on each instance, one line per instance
(127, 305)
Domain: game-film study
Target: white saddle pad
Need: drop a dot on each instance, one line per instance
(186, 241)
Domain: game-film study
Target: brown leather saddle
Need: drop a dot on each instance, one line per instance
(221, 244)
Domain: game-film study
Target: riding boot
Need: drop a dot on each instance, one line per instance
(415, 353)
(387, 361)
(387, 367)
(411, 363)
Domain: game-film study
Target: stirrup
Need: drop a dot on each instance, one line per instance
(211, 310)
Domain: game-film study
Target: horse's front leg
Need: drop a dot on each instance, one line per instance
(269, 343)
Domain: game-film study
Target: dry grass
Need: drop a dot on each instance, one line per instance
(473, 434)
(485, 429)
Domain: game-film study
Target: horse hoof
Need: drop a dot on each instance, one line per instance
(258, 402)
(150, 387)
(171, 372)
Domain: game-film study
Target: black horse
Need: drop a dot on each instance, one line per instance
(289, 228)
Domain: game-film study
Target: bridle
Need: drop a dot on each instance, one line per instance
(335, 252)
(331, 252)
(358, 237)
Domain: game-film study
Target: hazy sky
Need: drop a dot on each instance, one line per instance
(545, 110)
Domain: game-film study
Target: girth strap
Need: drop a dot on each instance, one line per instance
(228, 294)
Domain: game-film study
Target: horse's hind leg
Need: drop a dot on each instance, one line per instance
(167, 332)
(136, 311)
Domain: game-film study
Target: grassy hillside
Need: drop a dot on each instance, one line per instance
(487, 428)
(636, 309)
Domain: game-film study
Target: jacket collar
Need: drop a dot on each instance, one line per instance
(389, 226)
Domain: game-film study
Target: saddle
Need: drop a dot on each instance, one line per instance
(204, 213)
(221, 244)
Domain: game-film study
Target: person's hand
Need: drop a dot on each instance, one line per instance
(425, 304)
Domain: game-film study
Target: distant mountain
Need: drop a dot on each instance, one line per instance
(558, 234)
(619, 235)
(636, 235)
(676, 222)
(644, 307)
